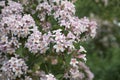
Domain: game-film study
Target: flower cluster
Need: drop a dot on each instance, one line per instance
(17, 25)
(14, 67)
(75, 74)
(45, 9)
(8, 45)
(63, 42)
(38, 43)
(44, 76)
(78, 71)
(65, 14)
(58, 31)
(12, 8)
(13, 26)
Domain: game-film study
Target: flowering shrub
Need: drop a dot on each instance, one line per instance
(46, 47)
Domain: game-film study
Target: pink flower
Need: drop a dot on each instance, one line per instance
(59, 47)
(82, 49)
(70, 35)
(82, 56)
(74, 62)
(14, 68)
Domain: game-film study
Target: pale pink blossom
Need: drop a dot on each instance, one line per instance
(50, 77)
(75, 74)
(14, 68)
(82, 56)
(12, 8)
(38, 43)
(74, 62)
(82, 49)
(59, 47)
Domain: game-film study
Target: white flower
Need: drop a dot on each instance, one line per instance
(69, 44)
(93, 28)
(59, 47)
(50, 77)
(76, 74)
(74, 62)
(68, 6)
(71, 35)
(82, 49)
(47, 77)
(28, 78)
(45, 9)
(82, 56)
(2, 3)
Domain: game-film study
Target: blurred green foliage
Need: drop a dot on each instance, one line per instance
(98, 7)
(104, 51)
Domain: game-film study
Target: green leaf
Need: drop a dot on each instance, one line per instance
(59, 76)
